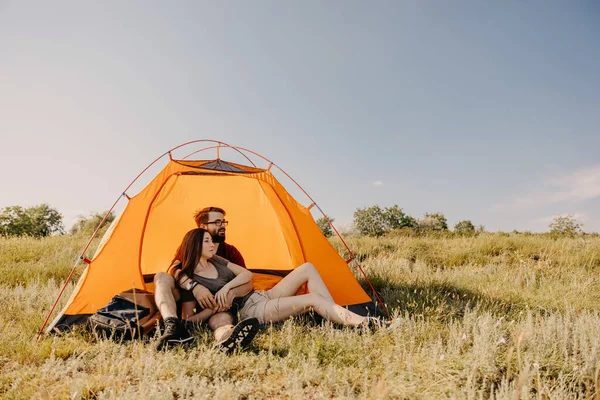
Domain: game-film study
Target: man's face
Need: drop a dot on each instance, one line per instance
(217, 232)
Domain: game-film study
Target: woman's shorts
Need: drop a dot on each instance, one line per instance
(255, 306)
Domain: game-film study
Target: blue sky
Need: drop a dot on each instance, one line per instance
(488, 112)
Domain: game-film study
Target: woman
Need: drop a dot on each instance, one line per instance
(197, 263)
(200, 265)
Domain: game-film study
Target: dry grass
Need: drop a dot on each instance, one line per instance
(495, 316)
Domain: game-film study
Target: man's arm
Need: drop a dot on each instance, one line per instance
(201, 293)
(238, 291)
(188, 312)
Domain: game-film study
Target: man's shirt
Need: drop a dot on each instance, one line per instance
(230, 253)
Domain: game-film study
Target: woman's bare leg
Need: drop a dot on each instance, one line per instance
(279, 309)
(306, 273)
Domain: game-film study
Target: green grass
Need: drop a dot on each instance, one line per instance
(502, 316)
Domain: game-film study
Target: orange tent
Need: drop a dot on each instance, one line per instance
(271, 229)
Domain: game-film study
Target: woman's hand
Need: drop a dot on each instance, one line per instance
(223, 299)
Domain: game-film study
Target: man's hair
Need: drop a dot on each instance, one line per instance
(201, 217)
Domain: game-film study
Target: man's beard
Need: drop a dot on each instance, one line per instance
(218, 237)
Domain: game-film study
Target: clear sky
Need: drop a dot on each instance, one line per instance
(488, 111)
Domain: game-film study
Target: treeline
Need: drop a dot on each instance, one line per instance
(43, 220)
(377, 221)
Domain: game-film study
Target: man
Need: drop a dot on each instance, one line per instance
(167, 287)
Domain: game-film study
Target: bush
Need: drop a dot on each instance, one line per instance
(465, 227)
(565, 225)
(433, 222)
(86, 226)
(375, 221)
(38, 221)
(325, 226)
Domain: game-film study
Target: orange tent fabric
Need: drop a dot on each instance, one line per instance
(269, 227)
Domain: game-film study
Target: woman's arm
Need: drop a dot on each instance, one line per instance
(201, 293)
(238, 291)
(242, 290)
(242, 276)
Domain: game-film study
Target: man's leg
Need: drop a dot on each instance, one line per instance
(166, 296)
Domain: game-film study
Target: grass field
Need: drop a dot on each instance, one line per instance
(494, 316)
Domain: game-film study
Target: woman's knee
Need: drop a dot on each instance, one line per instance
(308, 268)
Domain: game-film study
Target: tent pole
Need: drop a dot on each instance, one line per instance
(240, 150)
(81, 257)
(82, 254)
(353, 257)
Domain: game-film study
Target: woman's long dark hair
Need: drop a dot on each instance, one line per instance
(190, 250)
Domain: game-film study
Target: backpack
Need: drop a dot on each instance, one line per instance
(131, 314)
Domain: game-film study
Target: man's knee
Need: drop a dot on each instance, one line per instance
(220, 319)
(163, 280)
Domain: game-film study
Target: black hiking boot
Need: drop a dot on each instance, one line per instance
(174, 334)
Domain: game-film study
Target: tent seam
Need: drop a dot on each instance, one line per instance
(142, 233)
(292, 220)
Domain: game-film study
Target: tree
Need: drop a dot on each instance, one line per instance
(87, 225)
(433, 222)
(566, 225)
(14, 221)
(370, 221)
(464, 227)
(37, 221)
(395, 218)
(325, 226)
(375, 221)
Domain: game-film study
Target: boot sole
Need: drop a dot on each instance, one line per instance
(242, 335)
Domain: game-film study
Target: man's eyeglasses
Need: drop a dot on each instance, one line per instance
(219, 222)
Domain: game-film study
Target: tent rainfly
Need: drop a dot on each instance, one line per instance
(274, 233)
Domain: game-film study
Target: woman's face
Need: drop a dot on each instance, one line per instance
(208, 247)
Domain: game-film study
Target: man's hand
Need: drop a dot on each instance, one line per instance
(204, 297)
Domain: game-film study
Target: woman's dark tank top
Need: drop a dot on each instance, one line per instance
(224, 275)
